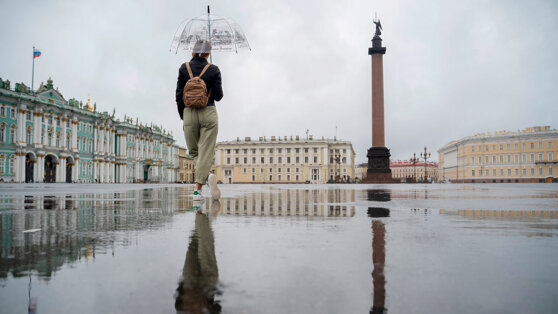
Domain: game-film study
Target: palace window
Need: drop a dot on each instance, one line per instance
(516, 172)
(262, 160)
(2, 111)
(58, 140)
(550, 156)
(315, 150)
(515, 146)
(49, 138)
(270, 160)
(493, 172)
(28, 115)
(297, 160)
(305, 159)
(472, 160)
(540, 144)
(228, 160)
(236, 160)
(532, 156)
(524, 171)
(509, 159)
(236, 151)
(288, 150)
(501, 172)
(2, 164)
(550, 145)
(532, 171)
(28, 136)
(297, 150)
(57, 121)
(279, 177)
(344, 159)
(306, 150)
(12, 134)
(12, 113)
(50, 119)
(288, 160)
(532, 145)
(245, 160)
(508, 146)
(2, 132)
(12, 165)
(472, 149)
(480, 159)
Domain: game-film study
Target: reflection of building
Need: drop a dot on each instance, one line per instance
(46, 138)
(291, 202)
(503, 214)
(186, 166)
(284, 160)
(405, 170)
(530, 155)
(65, 227)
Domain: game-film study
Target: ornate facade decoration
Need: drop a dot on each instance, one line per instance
(46, 138)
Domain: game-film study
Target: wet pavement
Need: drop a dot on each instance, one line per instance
(279, 249)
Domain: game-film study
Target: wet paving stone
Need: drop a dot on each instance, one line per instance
(279, 249)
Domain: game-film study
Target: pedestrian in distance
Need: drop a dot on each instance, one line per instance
(197, 90)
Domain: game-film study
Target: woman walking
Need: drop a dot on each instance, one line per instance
(197, 90)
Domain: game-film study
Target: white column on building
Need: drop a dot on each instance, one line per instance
(74, 134)
(62, 171)
(20, 126)
(37, 128)
(75, 169)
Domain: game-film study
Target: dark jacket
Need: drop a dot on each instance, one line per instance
(211, 77)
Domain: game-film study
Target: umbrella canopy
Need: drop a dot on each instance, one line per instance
(223, 33)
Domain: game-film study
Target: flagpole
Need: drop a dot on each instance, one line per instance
(33, 72)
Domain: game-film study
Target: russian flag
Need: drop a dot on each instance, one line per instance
(36, 53)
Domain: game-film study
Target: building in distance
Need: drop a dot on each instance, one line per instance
(284, 160)
(46, 138)
(406, 171)
(186, 166)
(528, 155)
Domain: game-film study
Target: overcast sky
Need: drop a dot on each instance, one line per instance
(452, 68)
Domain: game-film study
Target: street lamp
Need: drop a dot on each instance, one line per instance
(425, 156)
(414, 161)
(338, 168)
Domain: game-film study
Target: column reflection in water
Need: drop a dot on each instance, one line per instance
(378, 249)
(198, 286)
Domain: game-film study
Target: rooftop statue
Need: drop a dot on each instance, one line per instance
(378, 28)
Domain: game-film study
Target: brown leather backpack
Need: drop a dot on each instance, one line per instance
(195, 91)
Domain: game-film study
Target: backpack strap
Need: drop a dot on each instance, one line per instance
(189, 69)
(204, 69)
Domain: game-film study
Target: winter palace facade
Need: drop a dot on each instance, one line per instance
(45, 138)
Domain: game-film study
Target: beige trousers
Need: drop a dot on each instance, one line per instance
(200, 130)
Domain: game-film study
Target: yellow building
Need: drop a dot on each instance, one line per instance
(186, 165)
(285, 160)
(529, 155)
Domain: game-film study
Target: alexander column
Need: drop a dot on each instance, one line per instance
(378, 155)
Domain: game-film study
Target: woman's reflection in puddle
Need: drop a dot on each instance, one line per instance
(198, 287)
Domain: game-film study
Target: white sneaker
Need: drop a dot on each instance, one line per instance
(215, 192)
(198, 196)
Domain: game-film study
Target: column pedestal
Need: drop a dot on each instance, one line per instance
(378, 166)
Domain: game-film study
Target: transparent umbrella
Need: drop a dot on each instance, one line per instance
(224, 34)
